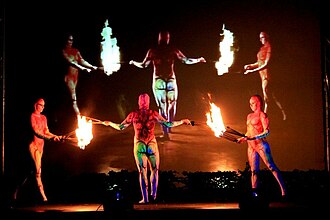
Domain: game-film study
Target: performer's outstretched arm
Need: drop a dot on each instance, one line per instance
(127, 122)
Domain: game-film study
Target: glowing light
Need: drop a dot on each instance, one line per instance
(84, 132)
(110, 53)
(214, 120)
(226, 53)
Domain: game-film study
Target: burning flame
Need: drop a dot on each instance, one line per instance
(84, 132)
(110, 54)
(214, 120)
(227, 54)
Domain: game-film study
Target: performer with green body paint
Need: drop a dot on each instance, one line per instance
(145, 150)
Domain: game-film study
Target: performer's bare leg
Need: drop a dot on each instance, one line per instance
(141, 161)
(154, 167)
(37, 155)
(159, 90)
(265, 93)
(264, 153)
(71, 84)
(279, 106)
(253, 159)
(266, 156)
(172, 96)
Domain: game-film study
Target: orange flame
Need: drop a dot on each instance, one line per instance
(214, 120)
(84, 132)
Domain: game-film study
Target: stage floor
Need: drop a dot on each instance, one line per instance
(163, 210)
(94, 207)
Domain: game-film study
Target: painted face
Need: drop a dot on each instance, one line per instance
(70, 40)
(263, 37)
(39, 105)
(164, 37)
(144, 101)
(254, 103)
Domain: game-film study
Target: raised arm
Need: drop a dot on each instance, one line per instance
(145, 63)
(127, 122)
(171, 124)
(80, 63)
(187, 60)
(249, 68)
(254, 67)
(87, 64)
(259, 65)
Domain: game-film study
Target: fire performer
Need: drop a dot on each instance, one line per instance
(75, 63)
(145, 144)
(41, 133)
(262, 66)
(164, 83)
(258, 147)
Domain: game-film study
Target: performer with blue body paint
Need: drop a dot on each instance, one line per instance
(258, 147)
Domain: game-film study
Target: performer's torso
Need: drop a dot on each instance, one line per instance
(39, 125)
(73, 54)
(144, 123)
(163, 60)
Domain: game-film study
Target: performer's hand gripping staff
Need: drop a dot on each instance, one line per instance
(231, 134)
(248, 138)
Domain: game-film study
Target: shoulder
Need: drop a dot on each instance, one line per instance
(131, 114)
(175, 50)
(263, 116)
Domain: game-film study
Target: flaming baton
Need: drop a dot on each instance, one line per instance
(227, 54)
(84, 133)
(215, 122)
(110, 54)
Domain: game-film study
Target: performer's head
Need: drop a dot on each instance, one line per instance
(264, 37)
(144, 101)
(164, 38)
(256, 102)
(69, 39)
(39, 105)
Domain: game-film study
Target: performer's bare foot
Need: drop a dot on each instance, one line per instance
(45, 199)
(142, 201)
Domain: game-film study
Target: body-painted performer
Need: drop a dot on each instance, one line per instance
(262, 66)
(75, 63)
(257, 130)
(41, 133)
(145, 149)
(164, 85)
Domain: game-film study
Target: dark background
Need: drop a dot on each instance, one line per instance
(34, 36)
